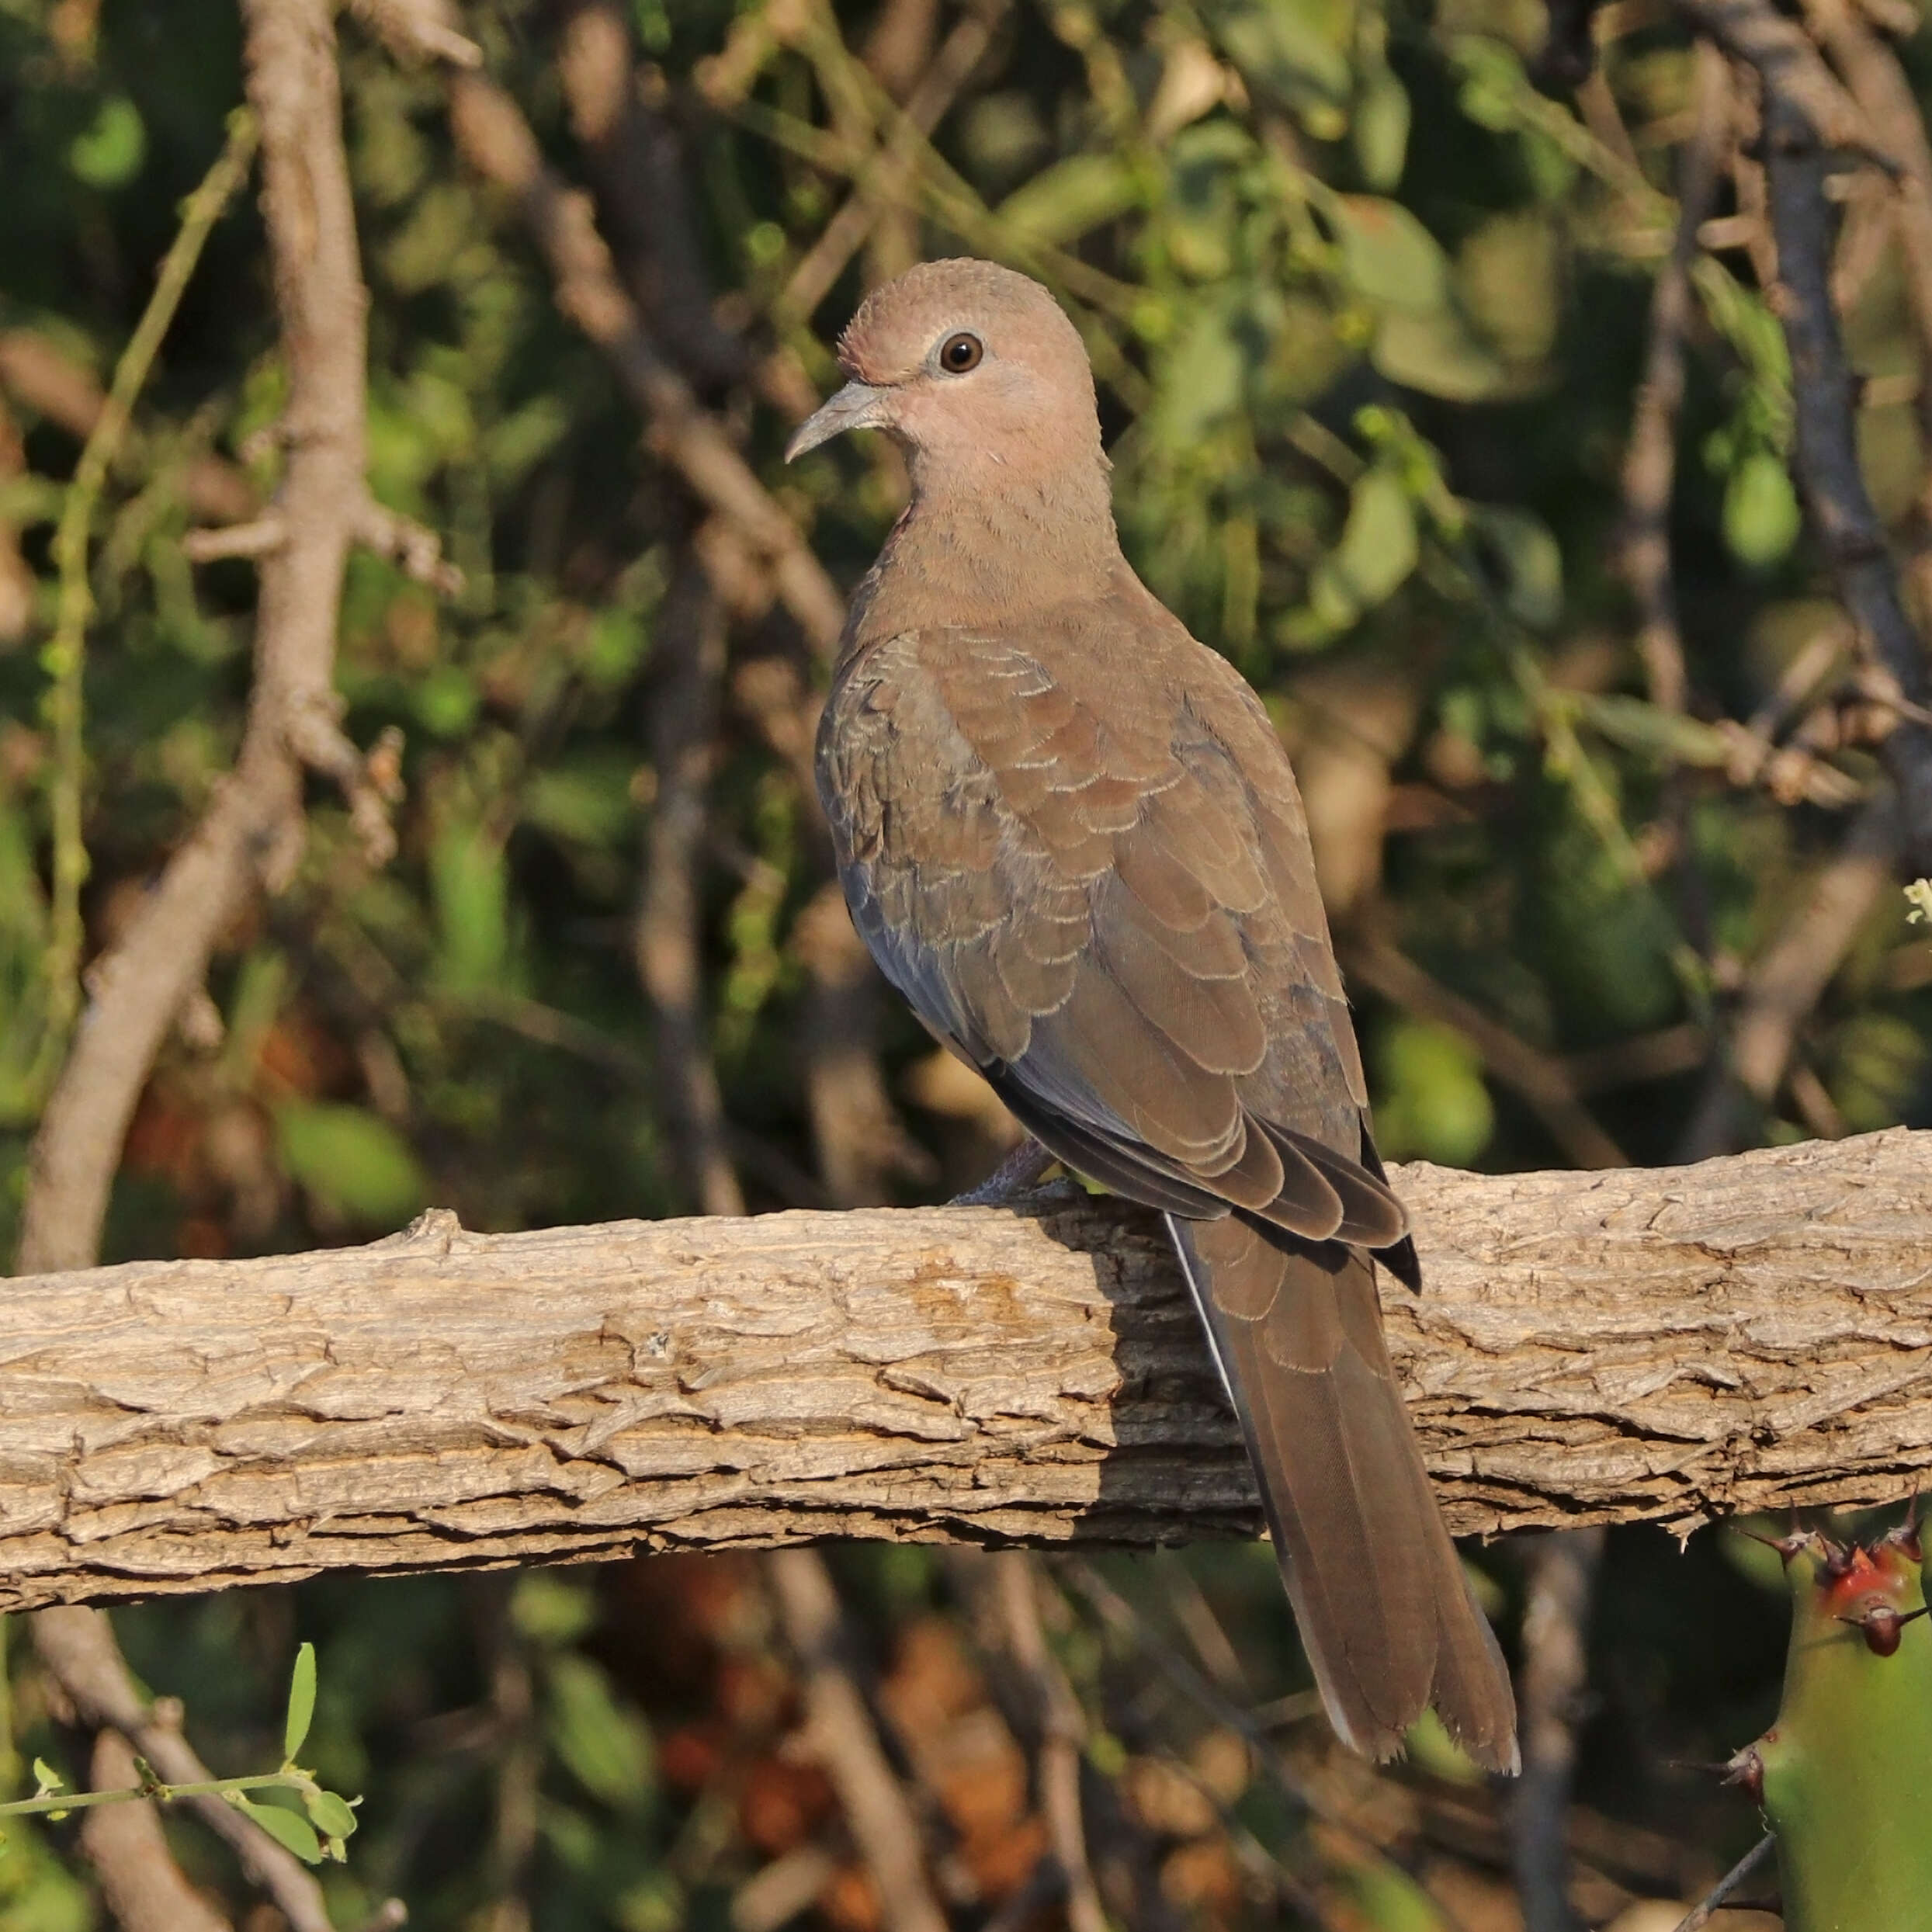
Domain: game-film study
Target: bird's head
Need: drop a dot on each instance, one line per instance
(963, 362)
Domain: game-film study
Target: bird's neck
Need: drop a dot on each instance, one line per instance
(989, 542)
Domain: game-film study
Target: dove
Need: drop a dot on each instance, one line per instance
(1069, 836)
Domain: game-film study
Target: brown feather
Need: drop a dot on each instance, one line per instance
(1069, 836)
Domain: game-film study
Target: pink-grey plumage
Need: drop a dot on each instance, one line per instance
(1070, 837)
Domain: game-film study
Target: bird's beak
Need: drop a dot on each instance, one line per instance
(857, 406)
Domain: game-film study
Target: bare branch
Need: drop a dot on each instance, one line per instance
(1807, 115)
(496, 141)
(143, 1886)
(839, 1734)
(1746, 1334)
(253, 832)
(1649, 466)
(1785, 984)
(77, 1648)
(668, 938)
(1551, 1686)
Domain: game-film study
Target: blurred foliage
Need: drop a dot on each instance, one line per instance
(1368, 311)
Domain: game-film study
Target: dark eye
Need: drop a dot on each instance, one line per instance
(958, 353)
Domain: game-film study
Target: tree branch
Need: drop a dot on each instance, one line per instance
(1668, 1344)
(252, 833)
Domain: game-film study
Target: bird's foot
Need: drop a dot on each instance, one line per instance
(1017, 1174)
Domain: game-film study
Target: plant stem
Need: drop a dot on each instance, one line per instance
(64, 657)
(64, 1802)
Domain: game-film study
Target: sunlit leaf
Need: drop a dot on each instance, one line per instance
(1071, 197)
(606, 1745)
(1378, 545)
(1290, 49)
(469, 880)
(301, 1713)
(1761, 517)
(289, 1829)
(1433, 1103)
(1390, 258)
(330, 1813)
(1379, 129)
(111, 150)
(1436, 354)
(352, 1161)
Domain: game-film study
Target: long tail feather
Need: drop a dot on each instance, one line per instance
(1385, 1611)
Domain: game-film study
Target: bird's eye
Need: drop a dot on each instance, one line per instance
(959, 353)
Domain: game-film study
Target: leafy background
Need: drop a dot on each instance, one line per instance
(1369, 312)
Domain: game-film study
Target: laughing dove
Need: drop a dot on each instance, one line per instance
(1071, 838)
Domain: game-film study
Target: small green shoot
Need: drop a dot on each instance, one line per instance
(318, 1830)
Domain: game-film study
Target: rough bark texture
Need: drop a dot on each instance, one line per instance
(1666, 1344)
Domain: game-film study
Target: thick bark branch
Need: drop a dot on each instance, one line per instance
(1592, 1347)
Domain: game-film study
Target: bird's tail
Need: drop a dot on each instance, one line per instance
(1385, 1614)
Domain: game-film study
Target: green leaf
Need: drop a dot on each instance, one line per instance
(470, 882)
(1437, 1105)
(331, 1814)
(295, 1728)
(1391, 260)
(111, 151)
(1289, 49)
(1761, 516)
(353, 1162)
(1436, 354)
(1064, 201)
(288, 1829)
(548, 1610)
(1378, 549)
(588, 801)
(1639, 726)
(1531, 564)
(607, 1746)
(1202, 380)
(47, 1780)
(1380, 129)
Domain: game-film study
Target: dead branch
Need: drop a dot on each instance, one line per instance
(839, 1734)
(140, 1883)
(668, 936)
(1806, 116)
(496, 141)
(1787, 980)
(76, 1648)
(1541, 1079)
(252, 834)
(1592, 1347)
(1650, 466)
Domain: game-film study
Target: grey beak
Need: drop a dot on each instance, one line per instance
(857, 406)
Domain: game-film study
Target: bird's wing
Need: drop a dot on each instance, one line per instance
(1108, 906)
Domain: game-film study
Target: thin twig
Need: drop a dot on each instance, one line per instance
(841, 1734)
(1062, 1732)
(496, 141)
(65, 656)
(882, 180)
(1787, 980)
(1555, 1674)
(1540, 1078)
(77, 1647)
(1649, 465)
(668, 936)
(1806, 116)
(1700, 1914)
(253, 833)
